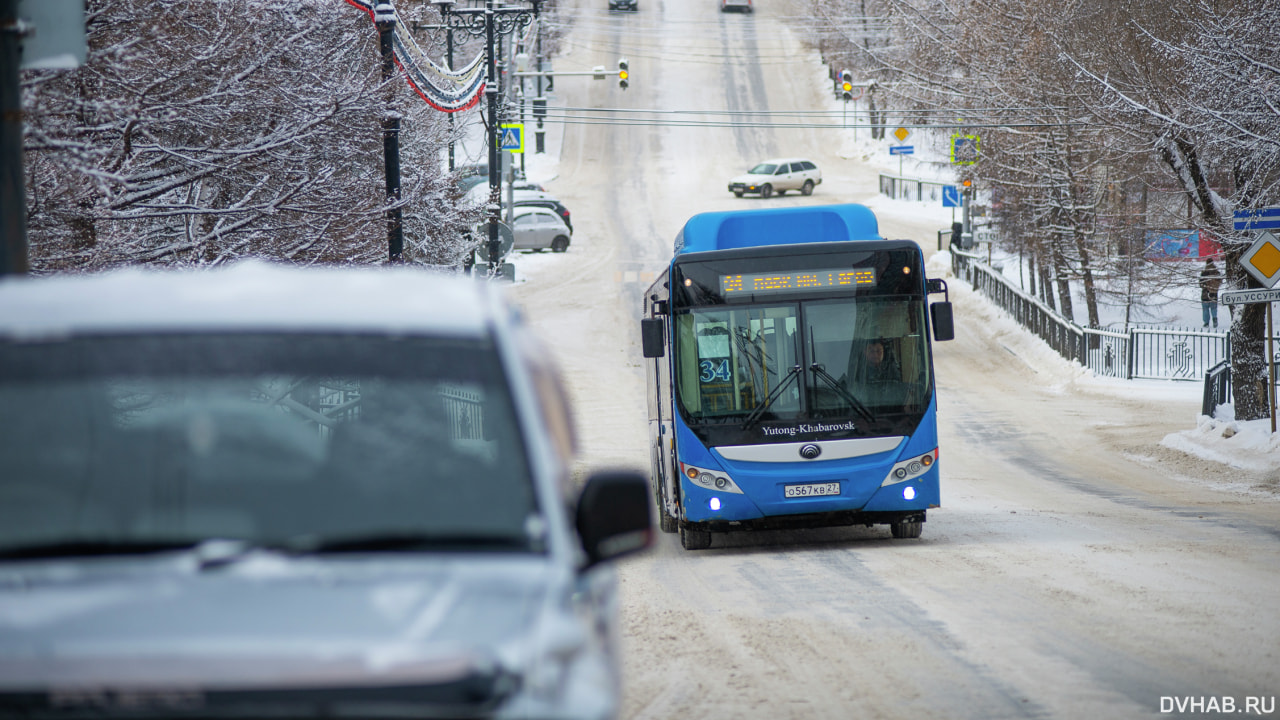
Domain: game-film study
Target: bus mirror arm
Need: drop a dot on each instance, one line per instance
(938, 285)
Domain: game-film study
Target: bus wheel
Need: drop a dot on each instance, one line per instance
(694, 539)
(666, 523)
(906, 528)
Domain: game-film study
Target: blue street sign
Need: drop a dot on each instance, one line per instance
(1260, 219)
(901, 149)
(513, 137)
(951, 196)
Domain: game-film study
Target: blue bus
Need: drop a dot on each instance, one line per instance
(790, 376)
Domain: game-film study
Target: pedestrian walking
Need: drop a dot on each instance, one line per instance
(1210, 281)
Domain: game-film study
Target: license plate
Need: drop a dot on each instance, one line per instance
(811, 490)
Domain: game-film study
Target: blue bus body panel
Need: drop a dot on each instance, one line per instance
(777, 226)
(762, 483)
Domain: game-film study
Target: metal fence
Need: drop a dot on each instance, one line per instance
(903, 188)
(1217, 388)
(1139, 352)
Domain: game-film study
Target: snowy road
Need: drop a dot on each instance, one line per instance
(1077, 568)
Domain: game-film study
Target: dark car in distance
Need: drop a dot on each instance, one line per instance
(530, 198)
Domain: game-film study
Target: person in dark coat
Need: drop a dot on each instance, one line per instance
(1210, 281)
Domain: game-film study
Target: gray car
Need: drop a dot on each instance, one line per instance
(538, 228)
(275, 492)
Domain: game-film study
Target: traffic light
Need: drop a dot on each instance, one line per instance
(622, 73)
(846, 85)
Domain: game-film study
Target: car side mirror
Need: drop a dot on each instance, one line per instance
(651, 337)
(613, 515)
(943, 323)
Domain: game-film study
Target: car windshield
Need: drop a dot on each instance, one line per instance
(280, 440)
(763, 169)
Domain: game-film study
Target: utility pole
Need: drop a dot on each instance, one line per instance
(491, 22)
(13, 194)
(384, 17)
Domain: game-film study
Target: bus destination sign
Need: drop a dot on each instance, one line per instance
(773, 282)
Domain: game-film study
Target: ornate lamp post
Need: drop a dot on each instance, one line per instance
(490, 21)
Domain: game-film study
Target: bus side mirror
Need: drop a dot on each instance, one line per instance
(651, 337)
(944, 327)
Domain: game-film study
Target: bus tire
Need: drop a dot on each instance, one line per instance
(906, 528)
(666, 522)
(694, 539)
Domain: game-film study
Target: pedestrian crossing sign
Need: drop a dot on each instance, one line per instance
(513, 137)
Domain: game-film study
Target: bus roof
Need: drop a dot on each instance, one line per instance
(777, 226)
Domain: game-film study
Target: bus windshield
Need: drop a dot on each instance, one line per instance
(862, 359)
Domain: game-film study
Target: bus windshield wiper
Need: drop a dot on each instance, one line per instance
(847, 396)
(777, 391)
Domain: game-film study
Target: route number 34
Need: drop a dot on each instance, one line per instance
(714, 370)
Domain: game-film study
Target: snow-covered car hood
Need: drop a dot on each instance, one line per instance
(80, 637)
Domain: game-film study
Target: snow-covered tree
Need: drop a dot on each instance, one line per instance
(201, 132)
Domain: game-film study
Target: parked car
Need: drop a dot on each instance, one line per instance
(527, 185)
(623, 5)
(528, 198)
(469, 176)
(739, 5)
(277, 492)
(539, 228)
(778, 176)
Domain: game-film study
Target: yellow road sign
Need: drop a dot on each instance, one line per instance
(902, 134)
(1262, 259)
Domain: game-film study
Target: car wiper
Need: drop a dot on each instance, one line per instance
(843, 392)
(405, 542)
(774, 395)
(92, 548)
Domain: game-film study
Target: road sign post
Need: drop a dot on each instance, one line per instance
(1244, 297)
(901, 150)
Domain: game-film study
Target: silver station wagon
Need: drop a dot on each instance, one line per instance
(275, 492)
(778, 176)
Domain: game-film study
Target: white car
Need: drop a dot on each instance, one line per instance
(538, 228)
(740, 5)
(778, 176)
(279, 492)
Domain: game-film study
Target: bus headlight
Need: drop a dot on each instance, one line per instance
(710, 479)
(911, 468)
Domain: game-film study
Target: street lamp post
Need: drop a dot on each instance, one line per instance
(384, 17)
(490, 21)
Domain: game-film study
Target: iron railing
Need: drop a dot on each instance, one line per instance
(903, 188)
(1217, 388)
(1139, 352)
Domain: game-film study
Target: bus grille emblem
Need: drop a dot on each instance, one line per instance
(810, 451)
